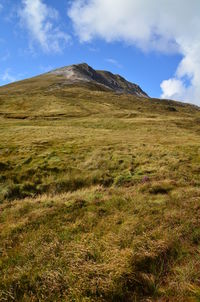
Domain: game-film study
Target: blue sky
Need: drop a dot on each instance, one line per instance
(156, 53)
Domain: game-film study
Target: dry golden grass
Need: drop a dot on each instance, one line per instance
(99, 195)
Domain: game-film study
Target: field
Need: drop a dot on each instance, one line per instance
(99, 195)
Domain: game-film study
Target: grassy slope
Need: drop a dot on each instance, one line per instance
(118, 214)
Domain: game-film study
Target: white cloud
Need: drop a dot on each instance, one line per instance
(167, 26)
(188, 71)
(7, 77)
(172, 88)
(40, 19)
(114, 62)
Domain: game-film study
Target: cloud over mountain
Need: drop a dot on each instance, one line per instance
(166, 26)
(39, 19)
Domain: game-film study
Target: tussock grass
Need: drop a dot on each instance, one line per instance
(99, 195)
(98, 244)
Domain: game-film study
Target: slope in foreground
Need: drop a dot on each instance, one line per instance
(99, 195)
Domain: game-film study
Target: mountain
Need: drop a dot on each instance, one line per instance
(84, 73)
(99, 191)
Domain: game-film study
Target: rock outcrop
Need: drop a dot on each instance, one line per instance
(84, 73)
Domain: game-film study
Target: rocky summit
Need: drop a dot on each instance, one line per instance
(84, 73)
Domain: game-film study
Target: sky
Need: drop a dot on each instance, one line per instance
(155, 44)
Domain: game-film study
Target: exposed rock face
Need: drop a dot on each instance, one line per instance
(85, 73)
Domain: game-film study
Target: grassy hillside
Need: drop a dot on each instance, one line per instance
(99, 195)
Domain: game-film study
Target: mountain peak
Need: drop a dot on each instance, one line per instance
(84, 73)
